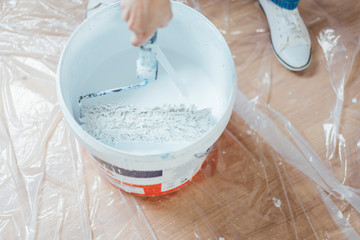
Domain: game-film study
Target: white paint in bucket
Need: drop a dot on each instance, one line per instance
(200, 56)
(163, 91)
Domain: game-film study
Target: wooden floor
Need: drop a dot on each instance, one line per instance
(246, 189)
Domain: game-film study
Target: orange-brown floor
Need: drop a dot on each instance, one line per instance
(286, 167)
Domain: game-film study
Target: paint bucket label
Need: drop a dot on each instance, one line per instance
(151, 183)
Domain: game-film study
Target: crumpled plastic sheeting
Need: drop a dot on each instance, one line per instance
(286, 167)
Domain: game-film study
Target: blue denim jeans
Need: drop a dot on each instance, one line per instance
(287, 4)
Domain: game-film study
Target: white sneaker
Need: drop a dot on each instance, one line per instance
(289, 36)
(95, 5)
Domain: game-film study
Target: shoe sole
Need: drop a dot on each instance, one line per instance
(296, 69)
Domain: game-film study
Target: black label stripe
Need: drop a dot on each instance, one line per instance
(129, 173)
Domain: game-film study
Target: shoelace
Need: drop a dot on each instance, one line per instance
(293, 34)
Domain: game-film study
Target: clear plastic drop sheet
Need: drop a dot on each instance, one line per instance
(286, 167)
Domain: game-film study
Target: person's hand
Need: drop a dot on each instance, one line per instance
(144, 17)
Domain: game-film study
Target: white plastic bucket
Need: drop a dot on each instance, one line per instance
(192, 44)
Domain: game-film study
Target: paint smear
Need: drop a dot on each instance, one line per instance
(170, 70)
(277, 202)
